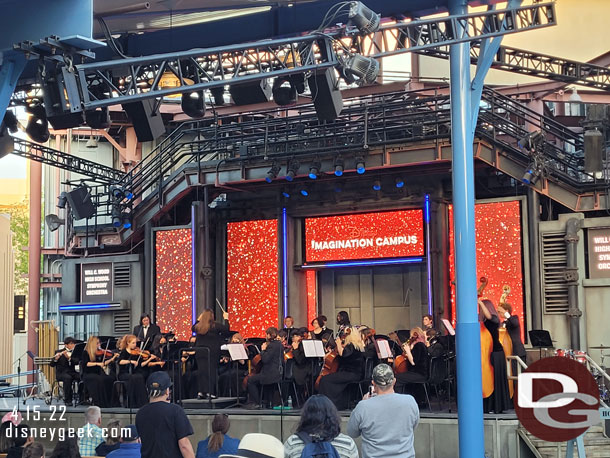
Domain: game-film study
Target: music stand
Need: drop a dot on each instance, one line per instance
(313, 349)
(237, 353)
(383, 349)
(174, 357)
(540, 338)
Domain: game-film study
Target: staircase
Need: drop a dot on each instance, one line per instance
(596, 445)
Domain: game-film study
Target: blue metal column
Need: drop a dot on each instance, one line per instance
(469, 383)
(10, 70)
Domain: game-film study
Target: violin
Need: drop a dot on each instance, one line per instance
(104, 353)
(140, 353)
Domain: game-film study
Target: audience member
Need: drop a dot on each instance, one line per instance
(385, 435)
(130, 446)
(259, 446)
(163, 427)
(320, 422)
(6, 442)
(68, 448)
(21, 438)
(90, 435)
(218, 442)
(112, 440)
(34, 450)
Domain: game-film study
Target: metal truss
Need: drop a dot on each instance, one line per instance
(49, 156)
(102, 84)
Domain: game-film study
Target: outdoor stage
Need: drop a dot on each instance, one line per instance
(435, 437)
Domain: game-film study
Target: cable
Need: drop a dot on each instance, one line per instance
(115, 46)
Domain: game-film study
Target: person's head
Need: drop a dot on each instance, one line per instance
(220, 427)
(93, 416)
(158, 384)
(114, 432)
(383, 379)
(67, 448)
(319, 417)
(69, 343)
(163, 340)
(6, 442)
(20, 435)
(158, 341)
(205, 320)
(316, 324)
(368, 335)
(354, 337)
(490, 307)
(505, 308)
(33, 450)
(431, 336)
(129, 435)
(237, 338)
(91, 347)
(271, 334)
(297, 335)
(145, 319)
(282, 335)
(288, 322)
(417, 335)
(129, 342)
(343, 318)
(427, 321)
(260, 445)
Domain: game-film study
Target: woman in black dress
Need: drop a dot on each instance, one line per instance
(97, 383)
(133, 370)
(301, 369)
(343, 322)
(234, 372)
(416, 352)
(210, 336)
(319, 331)
(499, 401)
(159, 349)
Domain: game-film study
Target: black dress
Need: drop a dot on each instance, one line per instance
(417, 372)
(351, 368)
(513, 327)
(231, 376)
(97, 383)
(134, 377)
(208, 355)
(499, 401)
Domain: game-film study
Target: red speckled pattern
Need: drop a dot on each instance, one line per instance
(365, 236)
(252, 276)
(174, 282)
(498, 245)
(312, 295)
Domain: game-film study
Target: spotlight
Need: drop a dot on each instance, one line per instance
(399, 182)
(126, 218)
(10, 121)
(339, 163)
(314, 169)
(286, 194)
(363, 18)
(530, 176)
(117, 192)
(218, 93)
(360, 167)
(292, 170)
(272, 173)
(61, 200)
(531, 140)
(193, 104)
(304, 191)
(377, 185)
(117, 219)
(284, 92)
(37, 127)
(91, 143)
(360, 69)
(54, 222)
(98, 119)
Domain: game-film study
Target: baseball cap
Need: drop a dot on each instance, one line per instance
(129, 433)
(383, 375)
(158, 381)
(258, 445)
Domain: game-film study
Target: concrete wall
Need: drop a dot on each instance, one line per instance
(7, 304)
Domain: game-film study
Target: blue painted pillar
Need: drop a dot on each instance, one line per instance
(469, 384)
(10, 71)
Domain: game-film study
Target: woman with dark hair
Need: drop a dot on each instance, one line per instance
(319, 329)
(68, 448)
(34, 450)
(210, 336)
(321, 422)
(499, 401)
(113, 439)
(343, 322)
(6, 442)
(218, 443)
(159, 349)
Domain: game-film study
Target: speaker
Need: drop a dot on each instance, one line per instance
(326, 96)
(147, 125)
(594, 151)
(81, 203)
(250, 93)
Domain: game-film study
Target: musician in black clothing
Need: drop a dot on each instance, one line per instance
(416, 352)
(289, 327)
(190, 373)
(133, 370)
(301, 369)
(146, 331)
(65, 362)
(319, 329)
(160, 350)
(210, 336)
(272, 358)
(97, 383)
(513, 327)
(343, 322)
(228, 377)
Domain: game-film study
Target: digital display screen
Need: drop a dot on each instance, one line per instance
(377, 235)
(96, 282)
(599, 252)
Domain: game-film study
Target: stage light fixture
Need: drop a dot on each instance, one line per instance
(218, 94)
(284, 92)
(360, 165)
(37, 127)
(377, 185)
(314, 169)
(91, 143)
(193, 104)
(360, 69)
(272, 173)
(292, 170)
(286, 194)
(126, 218)
(117, 192)
(10, 122)
(339, 165)
(62, 199)
(117, 220)
(531, 175)
(363, 18)
(304, 190)
(399, 182)
(54, 222)
(531, 140)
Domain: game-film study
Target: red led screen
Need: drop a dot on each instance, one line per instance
(365, 236)
(498, 245)
(174, 282)
(252, 276)
(312, 295)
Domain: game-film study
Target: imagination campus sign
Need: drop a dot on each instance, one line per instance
(365, 236)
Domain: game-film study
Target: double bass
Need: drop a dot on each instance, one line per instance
(487, 370)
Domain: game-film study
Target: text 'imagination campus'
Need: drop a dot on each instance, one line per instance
(363, 243)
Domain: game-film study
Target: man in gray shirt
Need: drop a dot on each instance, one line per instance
(386, 419)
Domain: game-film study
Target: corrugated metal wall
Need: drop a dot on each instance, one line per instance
(6, 295)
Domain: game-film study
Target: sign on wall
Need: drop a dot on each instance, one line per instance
(365, 236)
(599, 252)
(96, 282)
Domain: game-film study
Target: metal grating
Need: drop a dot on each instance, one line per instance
(122, 276)
(554, 264)
(121, 322)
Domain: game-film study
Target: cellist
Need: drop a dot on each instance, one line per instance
(272, 358)
(417, 361)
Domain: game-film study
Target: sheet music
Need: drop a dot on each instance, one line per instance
(237, 351)
(313, 348)
(383, 349)
(448, 326)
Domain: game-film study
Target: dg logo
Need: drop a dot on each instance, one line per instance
(557, 399)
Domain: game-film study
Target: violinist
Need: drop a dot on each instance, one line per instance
(210, 336)
(370, 350)
(301, 369)
(435, 348)
(417, 361)
(351, 367)
(159, 349)
(65, 362)
(227, 379)
(343, 322)
(272, 358)
(133, 370)
(189, 372)
(98, 384)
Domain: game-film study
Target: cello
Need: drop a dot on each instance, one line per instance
(487, 344)
(331, 362)
(400, 362)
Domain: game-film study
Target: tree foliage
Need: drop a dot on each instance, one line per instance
(20, 226)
